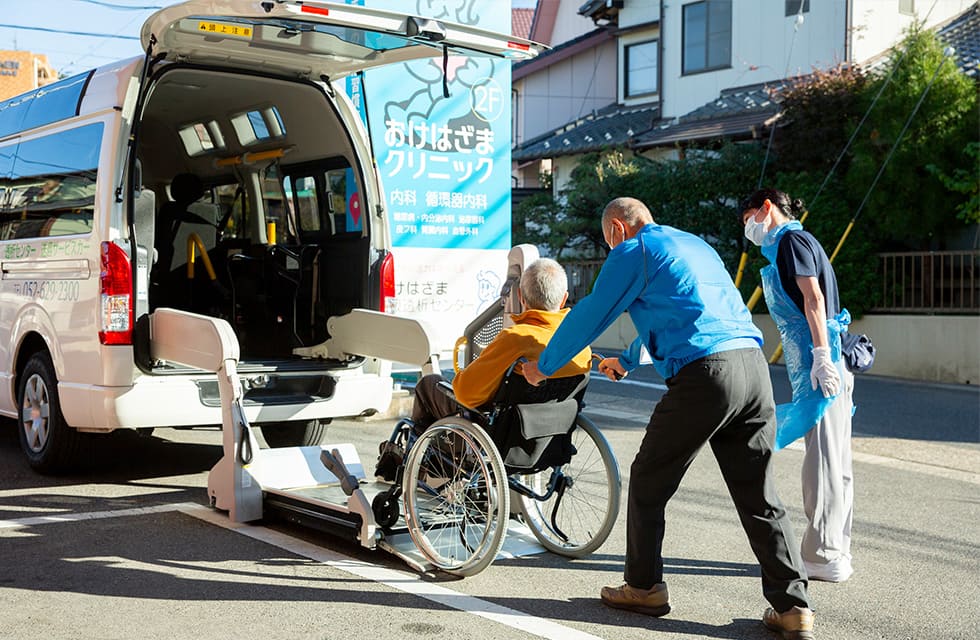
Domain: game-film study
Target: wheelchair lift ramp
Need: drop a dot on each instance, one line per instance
(518, 542)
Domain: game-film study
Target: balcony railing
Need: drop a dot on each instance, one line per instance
(930, 282)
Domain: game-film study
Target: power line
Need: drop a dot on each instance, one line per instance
(65, 31)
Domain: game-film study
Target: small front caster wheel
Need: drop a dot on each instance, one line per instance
(385, 508)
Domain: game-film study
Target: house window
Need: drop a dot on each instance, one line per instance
(707, 35)
(906, 7)
(641, 68)
(793, 7)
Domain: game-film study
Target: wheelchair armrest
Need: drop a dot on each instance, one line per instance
(446, 388)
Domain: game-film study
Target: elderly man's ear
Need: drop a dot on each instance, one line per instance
(564, 299)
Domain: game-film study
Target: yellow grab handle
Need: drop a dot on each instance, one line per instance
(460, 342)
(193, 242)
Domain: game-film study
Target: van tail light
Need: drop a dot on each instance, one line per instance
(116, 296)
(388, 282)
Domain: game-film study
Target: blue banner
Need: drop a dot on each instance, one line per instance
(444, 162)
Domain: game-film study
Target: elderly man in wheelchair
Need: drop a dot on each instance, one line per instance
(490, 438)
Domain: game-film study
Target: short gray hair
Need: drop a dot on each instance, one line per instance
(631, 211)
(544, 285)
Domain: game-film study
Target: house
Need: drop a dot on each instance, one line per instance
(692, 71)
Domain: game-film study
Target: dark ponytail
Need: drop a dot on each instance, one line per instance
(790, 208)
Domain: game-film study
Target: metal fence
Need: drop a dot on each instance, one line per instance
(581, 274)
(930, 282)
(911, 282)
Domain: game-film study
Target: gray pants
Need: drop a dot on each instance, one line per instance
(828, 490)
(724, 399)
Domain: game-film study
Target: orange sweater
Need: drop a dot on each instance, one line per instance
(478, 382)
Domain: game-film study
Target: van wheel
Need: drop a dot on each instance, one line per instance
(50, 444)
(301, 433)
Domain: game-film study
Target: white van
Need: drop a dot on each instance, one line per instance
(214, 175)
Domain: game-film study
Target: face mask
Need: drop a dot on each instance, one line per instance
(756, 231)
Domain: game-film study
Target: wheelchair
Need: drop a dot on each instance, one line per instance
(530, 454)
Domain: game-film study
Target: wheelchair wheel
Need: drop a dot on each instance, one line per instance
(578, 516)
(456, 497)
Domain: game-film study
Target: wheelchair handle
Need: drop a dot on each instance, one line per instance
(598, 357)
(460, 343)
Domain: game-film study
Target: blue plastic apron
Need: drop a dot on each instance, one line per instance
(800, 415)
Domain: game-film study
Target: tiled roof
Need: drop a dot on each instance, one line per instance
(611, 126)
(520, 22)
(746, 125)
(963, 34)
(737, 112)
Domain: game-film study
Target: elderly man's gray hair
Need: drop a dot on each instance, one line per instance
(630, 210)
(544, 285)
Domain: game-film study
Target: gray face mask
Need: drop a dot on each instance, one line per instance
(756, 231)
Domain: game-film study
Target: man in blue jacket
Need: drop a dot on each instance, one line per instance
(700, 336)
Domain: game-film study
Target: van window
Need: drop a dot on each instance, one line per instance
(258, 126)
(50, 190)
(317, 197)
(200, 138)
(232, 203)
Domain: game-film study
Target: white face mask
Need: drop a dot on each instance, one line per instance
(756, 231)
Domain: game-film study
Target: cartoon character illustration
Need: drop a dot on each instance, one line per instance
(487, 288)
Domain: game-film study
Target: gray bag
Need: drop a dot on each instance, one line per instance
(858, 352)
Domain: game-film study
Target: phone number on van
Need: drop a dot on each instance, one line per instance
(59, 290)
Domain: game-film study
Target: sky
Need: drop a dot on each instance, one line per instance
(116, 21)
(116, 24)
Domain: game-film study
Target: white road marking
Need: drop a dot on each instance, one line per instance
(92, 515)
(628, 382)
(402, 581)
(399, 580)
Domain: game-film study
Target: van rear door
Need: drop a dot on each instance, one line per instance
(313, 39)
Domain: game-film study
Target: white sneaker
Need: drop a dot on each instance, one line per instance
(831, 572)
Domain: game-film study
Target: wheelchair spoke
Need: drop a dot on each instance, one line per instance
(575, 518)
(455, 497)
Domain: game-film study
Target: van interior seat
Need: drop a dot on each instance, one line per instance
(183, 216)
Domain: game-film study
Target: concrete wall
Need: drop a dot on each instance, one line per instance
(931, 348)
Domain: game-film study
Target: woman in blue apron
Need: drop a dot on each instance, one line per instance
(801, 293)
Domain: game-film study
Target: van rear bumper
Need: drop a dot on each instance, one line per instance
(176, 401)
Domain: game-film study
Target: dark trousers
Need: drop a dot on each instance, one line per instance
(430, 403)
(723, 399)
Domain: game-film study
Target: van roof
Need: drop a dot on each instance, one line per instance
(50, 103)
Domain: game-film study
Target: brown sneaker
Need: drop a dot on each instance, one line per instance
(652, 602)
(793, 624)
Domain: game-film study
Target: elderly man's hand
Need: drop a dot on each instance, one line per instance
(532, 374)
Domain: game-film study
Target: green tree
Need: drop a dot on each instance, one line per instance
(964, 181)
(910, 205)
(819, 113)
(698, 194)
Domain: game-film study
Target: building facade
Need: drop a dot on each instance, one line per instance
(22, 71)
(667, 74)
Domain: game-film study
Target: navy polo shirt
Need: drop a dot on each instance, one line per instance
(800, 254)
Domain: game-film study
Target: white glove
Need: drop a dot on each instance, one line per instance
(824, 373)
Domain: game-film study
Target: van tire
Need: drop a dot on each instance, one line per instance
(299, 433)
(50, 444)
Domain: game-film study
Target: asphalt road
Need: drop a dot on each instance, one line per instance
(129, 549)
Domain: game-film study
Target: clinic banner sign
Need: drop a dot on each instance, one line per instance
(445, 166)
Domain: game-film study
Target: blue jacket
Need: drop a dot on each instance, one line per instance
(679, 295)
